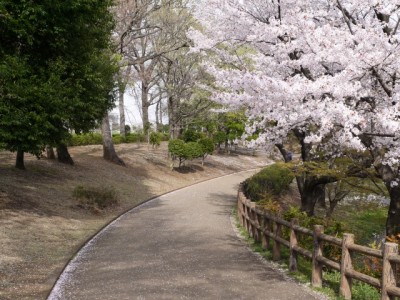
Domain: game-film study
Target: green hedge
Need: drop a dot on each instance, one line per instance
(85, 139)
(271, 181)
(96, 139)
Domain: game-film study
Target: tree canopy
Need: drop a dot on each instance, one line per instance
(325, 71)
(56, 73)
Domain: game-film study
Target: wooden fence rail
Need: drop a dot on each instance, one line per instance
(264, 227)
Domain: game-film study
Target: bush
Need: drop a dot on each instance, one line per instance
(177, 148)
(219, 137)
(165, 137)
(95, 198)
(331, 227)
(127, 129)
(191, 136)
(183, 151)
(155, 139)
(135, 137)
(207, 144)
(193, 150)
(85, 139)
(118, 139)
(272, 180)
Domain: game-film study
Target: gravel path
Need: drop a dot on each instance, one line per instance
(178, 246)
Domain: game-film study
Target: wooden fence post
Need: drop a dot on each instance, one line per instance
(276, 251)
(244, 215)
(258, 224)
(250, 214)
(248, 228)
(266, 225)
(253, 217)
(316, 276)
(346, 264)
(388, 272)
(240, 208)
(293, 243)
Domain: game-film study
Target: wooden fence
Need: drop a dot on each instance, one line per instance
(264, 227)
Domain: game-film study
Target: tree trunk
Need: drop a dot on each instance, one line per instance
(311, 192)
(160, 114)
(157, 115)
(174, 124)
(108, 145)
(19, 162)
(50, 152)
(63, 154)
(145, 109)
(121, 106)
(393, 219)
(226, 150)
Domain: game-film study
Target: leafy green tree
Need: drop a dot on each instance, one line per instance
(55, 71)
(207, 145)
(191, 135)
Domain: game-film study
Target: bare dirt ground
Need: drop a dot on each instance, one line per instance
(42, 225)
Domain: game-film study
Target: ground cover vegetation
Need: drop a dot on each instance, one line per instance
(366, 219)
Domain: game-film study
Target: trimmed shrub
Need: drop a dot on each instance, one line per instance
(96, 139)
(176, 147)
(193, 150)
(85, 139)
(155, 139)
(191, 136)
(135, 138)
(118, 139)
(208, 145)
(183, 151)
(271, 181)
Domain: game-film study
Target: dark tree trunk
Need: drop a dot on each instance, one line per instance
(121, 106)
(393, 219)
(63, 155)
(145, 109)
(311, 191)
(283, 152)
(50, 152)
(19, 162)
(175, 128)
(157, 115)
(108, 145)
(160, 114)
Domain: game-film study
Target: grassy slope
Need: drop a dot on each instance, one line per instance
(41, 225)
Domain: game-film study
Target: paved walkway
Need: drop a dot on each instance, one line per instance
(178, 246)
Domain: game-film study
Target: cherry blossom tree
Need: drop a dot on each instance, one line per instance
(325, 71)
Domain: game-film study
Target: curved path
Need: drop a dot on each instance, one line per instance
(178, 246)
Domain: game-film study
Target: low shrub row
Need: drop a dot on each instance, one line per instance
(270, 182)
(96, 138)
